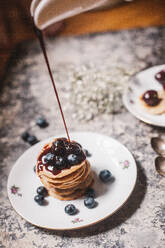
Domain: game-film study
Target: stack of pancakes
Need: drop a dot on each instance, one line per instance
(70, 183)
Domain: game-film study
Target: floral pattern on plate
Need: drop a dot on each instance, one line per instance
(15, 191)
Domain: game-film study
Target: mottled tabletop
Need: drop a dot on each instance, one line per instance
(27, 94)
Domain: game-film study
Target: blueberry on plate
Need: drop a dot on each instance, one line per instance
(42, 191)
(90, 202)
(70, 209)
(32, 140)
(87, 153)
(105, 176)
(41, 122)
(90, 192)
(39, 199)
(25, 135)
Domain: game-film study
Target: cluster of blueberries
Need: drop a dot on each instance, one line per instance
(89, 201)
(41, 194)
(63, 154)
(32, 139)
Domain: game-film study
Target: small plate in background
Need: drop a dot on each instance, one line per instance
(141, 82)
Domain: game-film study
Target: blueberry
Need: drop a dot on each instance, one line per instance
(44, 160)
(39, 199)
(25, 136)
(32, 140)
(48, 158)
(42, 191)
(73, 159)
(70, 209)
(105, 175)
(87, 153)
(41, 122)
(90, 192)
(60, 162)
(40, 167)
(90, 202)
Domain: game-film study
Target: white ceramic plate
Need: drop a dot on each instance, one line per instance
(143, 81)
(107, 153)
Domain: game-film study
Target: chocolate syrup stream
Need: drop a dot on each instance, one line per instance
(42, 44)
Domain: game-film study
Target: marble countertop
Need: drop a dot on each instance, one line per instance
(27, 94)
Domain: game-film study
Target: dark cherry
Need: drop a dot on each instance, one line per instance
(60, 162)
(151, 98)
(160, 77)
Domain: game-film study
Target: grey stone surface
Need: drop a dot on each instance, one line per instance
(27, 94)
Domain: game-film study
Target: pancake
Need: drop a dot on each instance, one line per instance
(154, 110)
(71, 183)
(68, 183)
(70, 191)
(67, 178)
(77, 194)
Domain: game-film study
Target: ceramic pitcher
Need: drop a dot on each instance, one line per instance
(47, 12)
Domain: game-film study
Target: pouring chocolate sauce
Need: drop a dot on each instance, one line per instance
(42, 45)
(47, 12)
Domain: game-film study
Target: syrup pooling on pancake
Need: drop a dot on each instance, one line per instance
(60, 155)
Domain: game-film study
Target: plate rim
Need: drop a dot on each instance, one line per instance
(84, 226)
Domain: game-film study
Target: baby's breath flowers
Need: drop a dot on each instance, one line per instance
(95, 90)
